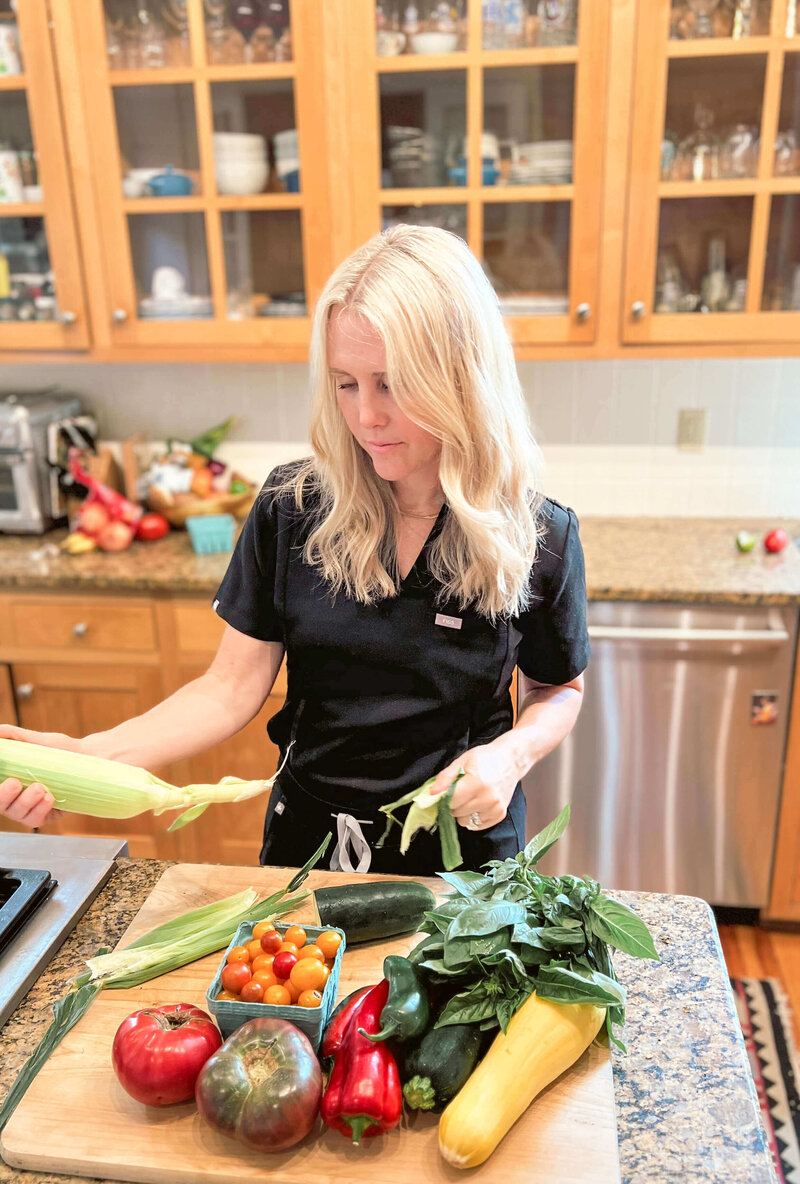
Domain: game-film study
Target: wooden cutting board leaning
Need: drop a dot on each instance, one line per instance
(76, 1118)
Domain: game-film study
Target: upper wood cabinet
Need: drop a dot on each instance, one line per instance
(41, 284)
(714, 205)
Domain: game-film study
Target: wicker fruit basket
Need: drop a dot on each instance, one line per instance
(177, 511)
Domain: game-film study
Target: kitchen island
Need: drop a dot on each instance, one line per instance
(685, 1101)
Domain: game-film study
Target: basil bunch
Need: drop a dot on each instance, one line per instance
(500, 936)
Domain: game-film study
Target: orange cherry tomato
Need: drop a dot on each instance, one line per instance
(311, 951)
(310, 999)
(234, 976)
(294, 991)
(229, 996)
(277, 995)
(270, 942)
(238, 954)
(289, 946)
(295, 934)
(253, 949)
(329, 943)
(252, 992)
(309, 975)
(261, 928)
(265, 977)
(263, 962)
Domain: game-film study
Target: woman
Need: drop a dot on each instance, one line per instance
(405, 570)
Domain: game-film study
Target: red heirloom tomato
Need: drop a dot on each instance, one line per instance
(263, 1087)
(152, 526)
(776, 540)
(158, 1052)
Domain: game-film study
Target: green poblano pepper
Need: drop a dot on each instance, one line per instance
(407, 1011)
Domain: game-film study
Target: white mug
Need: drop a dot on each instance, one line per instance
(11, 189)
(9, 53)
(167, 283)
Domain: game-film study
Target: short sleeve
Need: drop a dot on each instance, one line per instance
(246, 596)
(555, 642)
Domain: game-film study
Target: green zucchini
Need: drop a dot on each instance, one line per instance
(372, 910)
(434, 1068)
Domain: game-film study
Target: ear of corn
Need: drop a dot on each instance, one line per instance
(542, 1040)
(111, 789)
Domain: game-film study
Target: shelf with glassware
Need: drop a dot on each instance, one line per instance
(489, 122)
(213, 232)
(41, 292)
(715, 177)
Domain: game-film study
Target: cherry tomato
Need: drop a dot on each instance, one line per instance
(238, 954)
(288, 945)
(158, 1052)
(229, 996)
(277, 995)
(329, 943)
(282, 966)
(292, 989)
(235, 975)
(310, 999)
(295, 934)
(252, 992)
(261, 928)
(263, 962)
(312, 951)
(265, 977)
(271, 942)
(254, 949)
(309, 975)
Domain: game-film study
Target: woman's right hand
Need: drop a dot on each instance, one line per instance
(33, 805)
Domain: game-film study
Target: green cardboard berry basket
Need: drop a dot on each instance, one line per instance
(311, 1020)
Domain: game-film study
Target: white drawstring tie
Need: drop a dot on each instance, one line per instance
(349, 832)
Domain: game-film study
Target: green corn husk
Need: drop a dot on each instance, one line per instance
(175, 943)
(427, 812)
(103, 788)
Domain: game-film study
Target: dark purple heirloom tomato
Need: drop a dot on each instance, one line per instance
(263, 1087)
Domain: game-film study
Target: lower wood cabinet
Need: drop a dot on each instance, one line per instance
(784, 902)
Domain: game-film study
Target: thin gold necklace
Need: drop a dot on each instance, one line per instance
(426, 517)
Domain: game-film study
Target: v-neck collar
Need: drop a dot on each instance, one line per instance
(418, 569)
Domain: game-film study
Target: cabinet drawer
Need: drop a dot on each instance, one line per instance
(80, 624)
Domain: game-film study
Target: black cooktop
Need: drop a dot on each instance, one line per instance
(22, 890)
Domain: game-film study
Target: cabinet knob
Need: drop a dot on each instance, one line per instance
(67, 317)
(80, 628)
(583, 311)
(25, 690)
(638, 310)
(119, 316)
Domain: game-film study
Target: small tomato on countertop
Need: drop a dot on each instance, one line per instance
(158, 1052)
(776, 540)
(152, 526)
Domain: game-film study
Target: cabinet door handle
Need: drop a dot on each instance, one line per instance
(80, 628)
(67, 317)
(638, 310)
(25, 690)
(583, 311)
(119, 316)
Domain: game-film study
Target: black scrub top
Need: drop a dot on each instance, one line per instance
(381, 697)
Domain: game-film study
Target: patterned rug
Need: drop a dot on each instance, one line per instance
(766, 1023)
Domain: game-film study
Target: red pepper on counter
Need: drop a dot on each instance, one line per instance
(339, 1021)
(363, 1096)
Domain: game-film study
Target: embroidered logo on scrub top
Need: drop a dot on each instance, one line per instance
(448, 622)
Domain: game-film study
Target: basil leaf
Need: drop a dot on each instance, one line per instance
(540, 844)
(561, 984)
(465, 883)
(618, 925)
(469, 1007)
(485, 917)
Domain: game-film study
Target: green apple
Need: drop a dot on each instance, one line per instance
(745, 541)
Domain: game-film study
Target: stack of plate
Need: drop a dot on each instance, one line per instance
(521, 304)
(547, 162)
(414, 157)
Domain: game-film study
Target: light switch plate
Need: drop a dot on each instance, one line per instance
(692, 428)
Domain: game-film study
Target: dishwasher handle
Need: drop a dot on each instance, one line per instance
(643, 633)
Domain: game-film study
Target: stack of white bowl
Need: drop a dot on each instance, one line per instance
(287, 160)
(241, 163)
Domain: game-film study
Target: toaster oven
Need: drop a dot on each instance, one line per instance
(36, 428)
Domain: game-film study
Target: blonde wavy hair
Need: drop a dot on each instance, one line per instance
(450, 369)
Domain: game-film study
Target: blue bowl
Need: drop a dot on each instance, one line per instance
(170, 184)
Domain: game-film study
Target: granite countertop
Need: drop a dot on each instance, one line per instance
(657, 559)
(686, 1102)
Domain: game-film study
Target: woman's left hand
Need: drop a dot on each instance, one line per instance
(485, 790)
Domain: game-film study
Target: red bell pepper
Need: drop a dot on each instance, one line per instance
(364, 1096)
(338, 1023)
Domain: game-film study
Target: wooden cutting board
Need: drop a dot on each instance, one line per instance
(77, 1119)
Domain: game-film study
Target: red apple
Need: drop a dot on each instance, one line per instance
(92, 518)
(776, 540)
(115, 536)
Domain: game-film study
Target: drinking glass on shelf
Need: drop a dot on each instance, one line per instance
(275, 15)
(217, 29)
(744, 18)
(787, 154)
(703, 11)
(150, 41)
(739, 155)
(176, 18)
(245, 19)
(698, 153)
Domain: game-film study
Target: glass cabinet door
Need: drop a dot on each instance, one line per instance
(41, 295)
(200, 115)
(713, 246)
(488, 121)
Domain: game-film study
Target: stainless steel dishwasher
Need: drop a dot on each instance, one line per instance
(673, 770)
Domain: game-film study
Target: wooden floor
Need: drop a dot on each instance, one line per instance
(752, 952)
